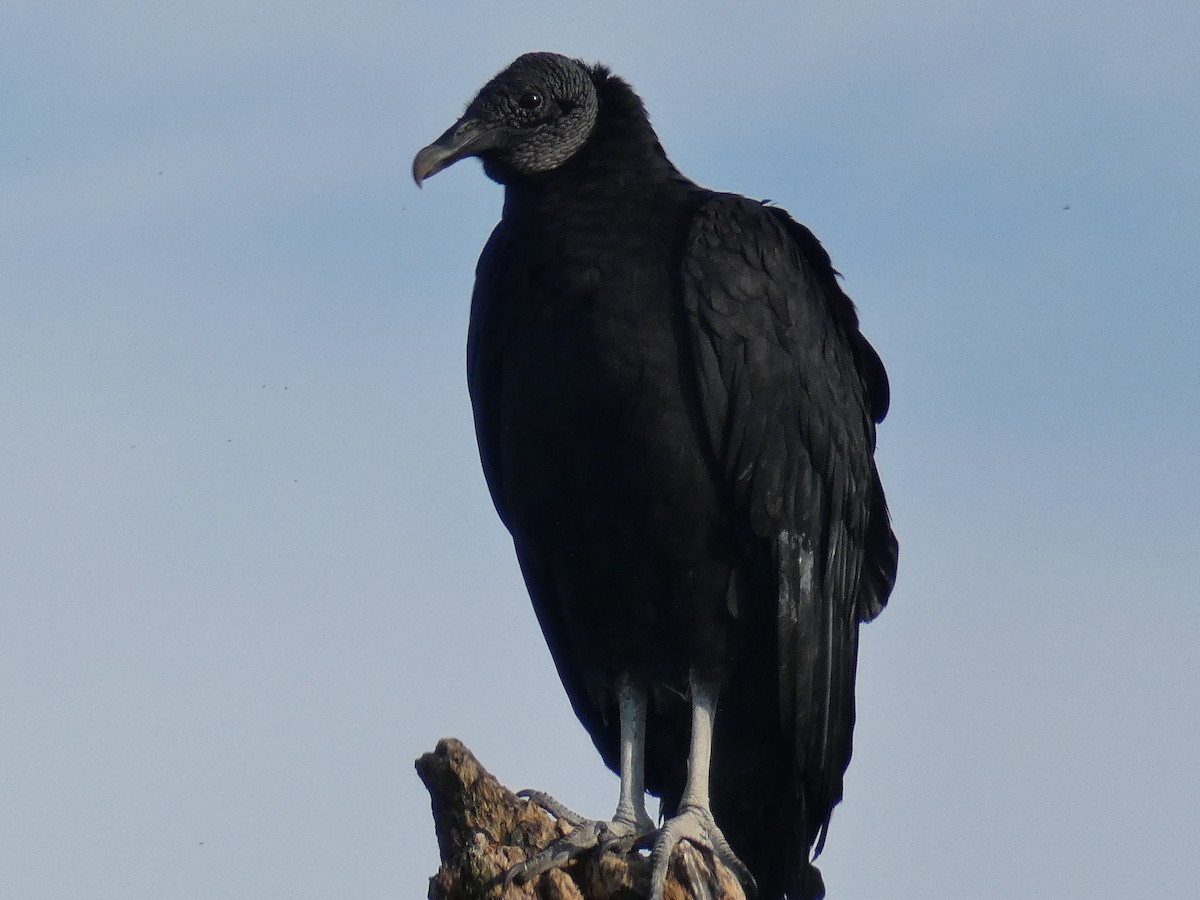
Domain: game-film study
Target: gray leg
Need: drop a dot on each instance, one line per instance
(631, 808)
(693, 820)
(631, 820)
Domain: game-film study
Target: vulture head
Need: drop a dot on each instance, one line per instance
(529, 119)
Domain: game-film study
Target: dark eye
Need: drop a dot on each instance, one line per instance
(530, 100)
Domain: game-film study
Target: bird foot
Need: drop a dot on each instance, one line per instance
(586, 834)
(695, 824)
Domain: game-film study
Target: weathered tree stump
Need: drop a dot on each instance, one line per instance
(483, 829)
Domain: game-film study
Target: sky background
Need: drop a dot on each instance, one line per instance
(249, 569)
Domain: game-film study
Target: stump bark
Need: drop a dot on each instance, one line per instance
(483, 829)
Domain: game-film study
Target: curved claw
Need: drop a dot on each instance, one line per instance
(695, 824)
(586, 834)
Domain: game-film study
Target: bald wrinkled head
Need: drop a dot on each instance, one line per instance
(529, 119)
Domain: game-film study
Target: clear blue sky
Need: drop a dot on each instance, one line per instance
(248, 566)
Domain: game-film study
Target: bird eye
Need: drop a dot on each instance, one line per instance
(530, 100)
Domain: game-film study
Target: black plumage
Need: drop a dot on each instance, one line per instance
(676, 417)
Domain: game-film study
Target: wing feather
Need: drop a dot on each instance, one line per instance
(790, 394)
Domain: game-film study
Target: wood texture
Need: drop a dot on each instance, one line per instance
(483, 829)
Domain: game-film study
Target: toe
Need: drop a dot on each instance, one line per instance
(552, 806)
(584, 836)
(695, 824)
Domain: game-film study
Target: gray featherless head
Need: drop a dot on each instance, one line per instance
(529, 119)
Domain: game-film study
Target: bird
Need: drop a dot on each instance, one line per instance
(676, 415)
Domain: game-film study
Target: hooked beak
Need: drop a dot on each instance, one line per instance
(466, 137)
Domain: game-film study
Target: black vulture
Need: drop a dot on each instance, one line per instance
(676, 416)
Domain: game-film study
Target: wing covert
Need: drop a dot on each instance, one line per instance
(777, 351)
